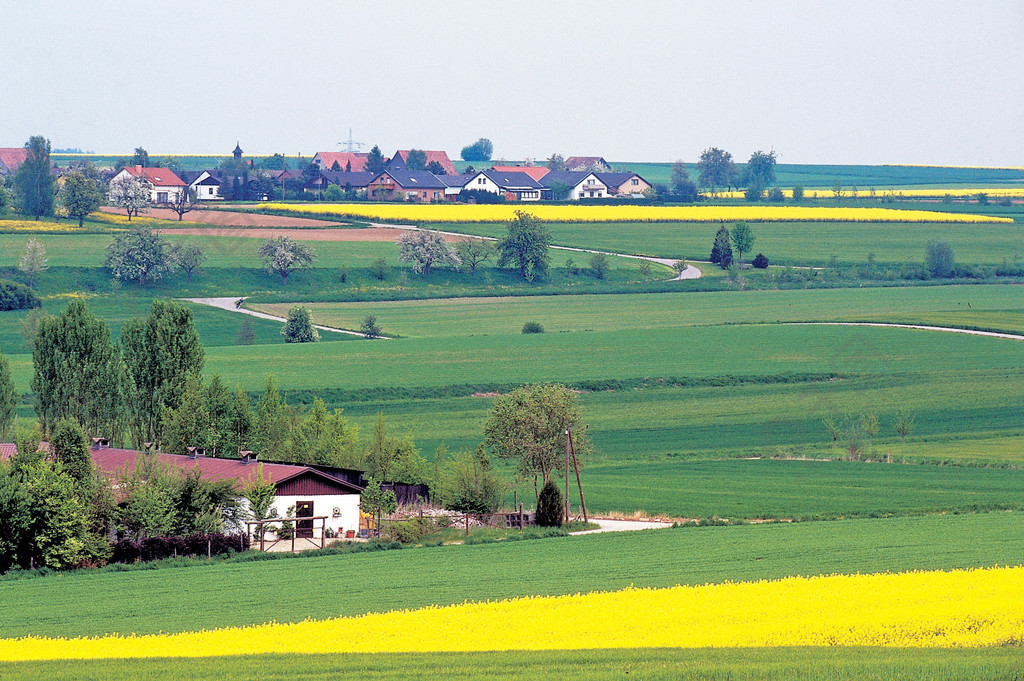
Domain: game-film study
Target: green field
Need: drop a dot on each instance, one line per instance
(790, 243)
(220, 595)
(701, 664)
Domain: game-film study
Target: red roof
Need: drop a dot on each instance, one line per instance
(9, 449)
(342, 158)
(158, 177)
(439, 156)
(110, 460)
(10, 159)
(536, 172)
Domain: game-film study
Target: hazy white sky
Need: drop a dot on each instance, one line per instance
(821, 82)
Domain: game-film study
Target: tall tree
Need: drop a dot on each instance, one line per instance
(299, 327)
(374, 161)
(8, 399)
(33, 181)
(241, 424)
(284, 255)
(70, 447)
(129, 192)
(760, 170)
(272, 422)
(77, 372)
(15, 520)
(58, 517)
(474, 252)
(188, 424)
(80, 195)
(424, 249)
(140, 158)
(525, 246)
(140, 255)
(527, 426)
(556, 162)
(715, 169)
(416, 159)
(742, 239)
(721, 251)
(183, 202)
(33, 260)
(481, 150)
(160, 353)
(682, 186)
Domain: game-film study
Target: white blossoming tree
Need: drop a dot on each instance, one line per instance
(424, 249)
(33, 260)
(130, 193)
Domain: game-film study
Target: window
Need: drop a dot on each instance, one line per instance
(590, 181)
(635, 182)
(161, 197)
(210, 191)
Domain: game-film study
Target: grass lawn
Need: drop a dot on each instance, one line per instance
(699, 664)
(228, 594)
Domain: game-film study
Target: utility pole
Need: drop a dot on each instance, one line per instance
(567, 436)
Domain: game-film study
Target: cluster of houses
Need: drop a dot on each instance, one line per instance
(585, 177)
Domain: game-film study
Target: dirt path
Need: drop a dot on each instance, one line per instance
(228, 218)
(919, 327)
(609, 525)
(230, 305)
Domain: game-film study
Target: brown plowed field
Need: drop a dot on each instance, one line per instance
(224, 218)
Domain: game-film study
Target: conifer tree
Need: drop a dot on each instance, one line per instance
(550, 506)
(721, 252)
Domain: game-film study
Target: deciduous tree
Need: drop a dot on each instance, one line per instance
(742, 239)
(80, 195)
(8, 399)
(69, 446)
(474, 252)
(715, 169)
(299, 327)
(424, 249)
(416, 159)
(33, 260)
(183, 202)
(525, 246)
(33, 180)
(160, 354)
(77, 372)
(284, 255)
(760, 169)
(481, 150)
(188, 256)
(467, 482)
(140, 255)
(939, 258)
(130, 193)
(556, 162)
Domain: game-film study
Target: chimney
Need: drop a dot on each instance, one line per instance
(194, 452)
(148, 447)
(247, 456)
(100, 443)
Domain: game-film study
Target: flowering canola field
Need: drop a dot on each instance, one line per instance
(964, 608)
(442, 212)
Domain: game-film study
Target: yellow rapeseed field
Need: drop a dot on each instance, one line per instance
(444, 212)
(36, 226)
(965, 608)
(824, 192)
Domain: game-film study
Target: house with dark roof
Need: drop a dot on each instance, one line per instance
(203, 182)
(357, 182)
(313, 492)
(514, 186)
(164, 185)
(624, 185)
(417, 186)
(583, 163)
(401, 157)
(341, 161)
(453, 184)
(11, 158)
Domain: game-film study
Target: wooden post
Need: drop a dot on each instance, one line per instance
(567, 436)
(467, 524)
(576, 465)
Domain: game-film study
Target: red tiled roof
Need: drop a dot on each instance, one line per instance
(439, 156)
(9, 449)
(110, 460)
(158, 177)
(12, 158)
(343, 158)
(536, 172)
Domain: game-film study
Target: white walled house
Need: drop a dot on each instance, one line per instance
(515, 186)
(164, 185)
(311, 491)
(204, 184)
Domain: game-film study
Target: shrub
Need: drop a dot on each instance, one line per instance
(939, 259)
(533, 327)
(760, 261)
(644, 267)
(15, 296)
(380, 269)
(599, 265)
(775, 195)
(798, 193)
(343, 274)
(550, 508)
(157, 548)
(299, 327)
(369, 327)
(755, 192)
(571, 266)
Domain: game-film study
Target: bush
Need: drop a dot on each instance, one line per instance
(939, 259)
(380, 269)
(550, 507)
(571, 267)
(798, 193)
(15, 296)
(157, 548)
(760, 261)
(754, 192)
(369, 327)
(299, 327)
(775, 195)
(599, 265)
(533, 327)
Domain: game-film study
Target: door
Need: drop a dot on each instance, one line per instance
(304, 528)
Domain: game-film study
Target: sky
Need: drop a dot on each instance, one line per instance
(819, 82)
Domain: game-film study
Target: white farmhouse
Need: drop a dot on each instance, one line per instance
(164, 185)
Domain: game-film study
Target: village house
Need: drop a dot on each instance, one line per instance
(514, 186)
(11, 158)
(406, 185)
(401, 157)
(584, 163)
(341, 161)
(164, 185)
(329, 494)
(357, 182)
(203, 183)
